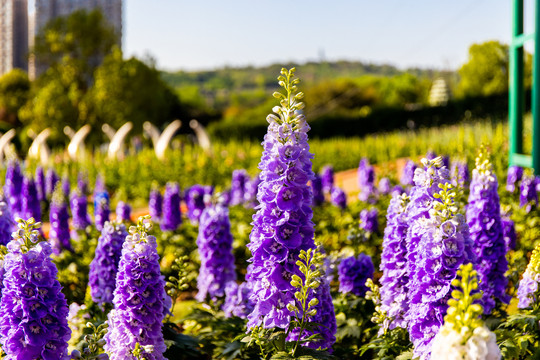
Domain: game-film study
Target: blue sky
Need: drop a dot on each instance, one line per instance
(206, 34)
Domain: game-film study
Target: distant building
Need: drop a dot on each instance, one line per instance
(47, 10)
(13, 35)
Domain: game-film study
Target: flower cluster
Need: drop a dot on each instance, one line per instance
(369, 221)
(439, 242)
(33, 323)
(104, 266)
(31, 206)
(138, 299)
(195, 203)
(366, 181)
(250, 191)
(237, 300)
(172, 217)
(13, 188)
(327, 178)
(66, 186)
(528, 196)
(238, 183)
(155, 203)
(509, 232)
(79, 209)
(317, 190)
(460, 174)
(215, 251)
(123, 211)
(40, 184)
(51, 178)
(484, 220)
(59, 220)
(528, 286)
(338, 197)
(282, 225)
(407, 175)
(102, 209)
(463, 335)
(394, 263)
(515, 173)
(353, 273)
(7, 225)
(385, 187)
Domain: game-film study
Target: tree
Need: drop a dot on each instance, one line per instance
(486, 71)
(14, 92)
(130, 90)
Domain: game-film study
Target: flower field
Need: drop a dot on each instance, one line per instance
(256, 251)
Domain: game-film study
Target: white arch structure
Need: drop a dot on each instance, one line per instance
(202, 136)
(117, 140)
(5, 140)
(39, 149)
(76, 147)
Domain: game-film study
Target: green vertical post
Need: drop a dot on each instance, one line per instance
(516, 98)
(536, 92)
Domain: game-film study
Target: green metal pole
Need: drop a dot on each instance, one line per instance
(516, 98)
(536, 92)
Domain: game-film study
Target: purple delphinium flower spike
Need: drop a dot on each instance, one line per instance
(31, 206)
(7, 225)
(79, 210)
(123, 211)
(527, 293)
(215, 251)
(13, 188)
(40, 184)
(398, 189)
(82, 183)
(394, 280)
(353, 273)
(99, 185)
(446, 161)
(172, 217)
(528, 197)
(385, 187)
(369, 221)
(155, 204)
(237, 300)
(66, 186)
(51, 178)
(104, 266)
(102, 210)
(338, 197)
(282, 225)
(438, 243)
(33, 324)
(327, 178)
(407, 176)
(138, 299)
(484, 220)
(238, 183)
(59, 220)
(515, 173)
(250, 194)
(195, 202)
(509, 232)
(317, 190)
(366, 182)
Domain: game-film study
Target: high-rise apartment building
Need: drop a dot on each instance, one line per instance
(13, 35)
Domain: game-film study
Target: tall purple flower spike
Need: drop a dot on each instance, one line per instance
(438, 243)
(123, 211)
(353, 273)
(366, 182)
(66, 186)
(195, 201)
(33, 320)
(104, 266)
(59, 220)
(40, 184)
(484, 220)
(138, 299)
(515, 173)
(327, 178)
(317, 190)
(338, 198)
(215, 251)
(369, 221)
(155, 204)
(527, 293)
(238, 184)
(282, 225)
(237, 300)
(460, 173)
(51, 178)
(528, 197)
(7, 225)
(79, 210)
(172, 217)
(250, 193)
(13, 188)
(395, 278)
(385, 187)
(31, 206)
(102, 210)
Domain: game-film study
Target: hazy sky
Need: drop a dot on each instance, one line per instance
(206, 34)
